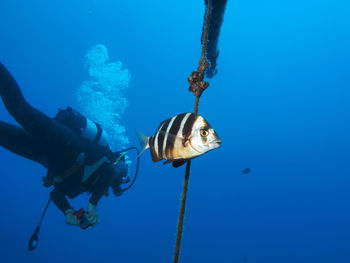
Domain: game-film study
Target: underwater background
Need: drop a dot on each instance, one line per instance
(280, 103)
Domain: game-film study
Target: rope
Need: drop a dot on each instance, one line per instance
(182, 213)
(197, 86)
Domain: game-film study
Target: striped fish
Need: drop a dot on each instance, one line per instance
(180, 138)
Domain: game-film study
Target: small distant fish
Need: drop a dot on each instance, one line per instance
(246, 171)
(180, 138)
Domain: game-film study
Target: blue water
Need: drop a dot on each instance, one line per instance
(280, 103)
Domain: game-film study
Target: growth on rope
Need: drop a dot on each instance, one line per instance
(197, 85)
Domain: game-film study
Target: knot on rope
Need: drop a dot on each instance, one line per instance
(197, 85)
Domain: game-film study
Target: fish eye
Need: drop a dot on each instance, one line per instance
(204, 132)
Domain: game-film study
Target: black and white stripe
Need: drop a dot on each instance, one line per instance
(162, 143)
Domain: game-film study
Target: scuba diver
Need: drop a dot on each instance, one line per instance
(74, 150)
(215, 22)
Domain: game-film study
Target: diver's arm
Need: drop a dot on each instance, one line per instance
(96, 197)
(215, 22)
(60, 200)
(99, 190)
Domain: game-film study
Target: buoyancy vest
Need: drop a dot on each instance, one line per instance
(87, 129)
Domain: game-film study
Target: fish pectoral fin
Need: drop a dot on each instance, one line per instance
(178, 163)
(167, 161)
(185, 142)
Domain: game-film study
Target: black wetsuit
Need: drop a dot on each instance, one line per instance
(53, 145)
(215, 22)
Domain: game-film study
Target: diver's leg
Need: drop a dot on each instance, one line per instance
(62, 144)
(32, 120)
(18, 141)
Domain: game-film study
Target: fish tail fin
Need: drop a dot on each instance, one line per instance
(144, 141)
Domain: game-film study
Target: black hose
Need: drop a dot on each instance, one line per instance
(137, 166)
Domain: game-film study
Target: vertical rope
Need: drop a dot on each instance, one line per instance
(182, 212)
(203, 64)
(196, 106)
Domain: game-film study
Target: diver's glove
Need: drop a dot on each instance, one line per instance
(71, 218)
(92, 215)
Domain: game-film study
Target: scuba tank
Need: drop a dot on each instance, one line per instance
(82, 126)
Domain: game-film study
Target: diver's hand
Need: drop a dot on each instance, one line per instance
(92, 215)
(71, 219)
